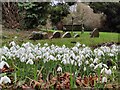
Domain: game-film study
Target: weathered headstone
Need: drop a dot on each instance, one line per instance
(76, 35)
(36, 35)
(56, 34)
(94, 33)
(66, 35)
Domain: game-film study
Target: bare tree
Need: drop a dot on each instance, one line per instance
(10, 17)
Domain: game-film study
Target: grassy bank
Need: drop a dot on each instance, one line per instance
(22, 36)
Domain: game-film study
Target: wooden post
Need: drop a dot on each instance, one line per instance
(72, 24)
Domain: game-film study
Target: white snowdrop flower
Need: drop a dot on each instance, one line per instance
(15, 37)
(3, 58)
(22, 59)
(78, 44)
(91, 59)
(38, 57)
(59, 69)
(5, 80)
(105, 65)
(104, 79)
(92, 65)
(31, 56)
(2, 63)
(30, 61)
(46, 44)
(96, 66)
(83, 45)
(111, 54)
(102, 70)
(114, 67)
(84, 69)
(12, 43)
(95, 60)
(100, 53)
(100, 65)
(87, 62)
(108, 72)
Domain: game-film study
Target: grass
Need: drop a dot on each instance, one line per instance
(22, 36)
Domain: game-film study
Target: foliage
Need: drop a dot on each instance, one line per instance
(59, 11)
(111, 10)
(37, 13)
(33, 13)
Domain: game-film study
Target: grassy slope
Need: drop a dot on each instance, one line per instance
(83, 39)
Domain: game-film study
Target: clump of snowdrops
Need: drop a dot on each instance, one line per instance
(28, 59)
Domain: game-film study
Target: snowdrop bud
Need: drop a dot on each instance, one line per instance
(30, 61)
(84, 69)
(2, 63)
(83, 45)
(114, 67)
(87, 62)
(5, 80)
(102, 70)
(15, 37)
(92, 65)
(104, 80)
(59, 69)
(91, 59)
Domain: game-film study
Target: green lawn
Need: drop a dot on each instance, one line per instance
(22, 36)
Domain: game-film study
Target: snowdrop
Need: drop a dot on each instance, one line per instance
(5, 80)
(84, 69)
(105, 65)
(108, 72)
(104, 79)
(59, 69)
(78, 44)
(87, 62)
(30, 61)
(114, 67)
(3, 58)
(12, 43)
(92, 65)
(3, 63)
(83, 45)
(95, 60)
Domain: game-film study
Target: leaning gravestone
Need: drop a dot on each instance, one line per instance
(36, 35)
(76, 35)
(94, 33)
(66, 35)
(56, 34)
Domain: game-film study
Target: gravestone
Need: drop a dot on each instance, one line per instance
(36, 35)
(94, 33)
(56, 34)
(66, 35)
(76, 35)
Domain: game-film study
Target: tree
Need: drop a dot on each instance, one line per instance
(59, 11)
(112, 12)
(33, 13)
(10, 17)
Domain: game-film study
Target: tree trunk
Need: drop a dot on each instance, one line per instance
(10, 17)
